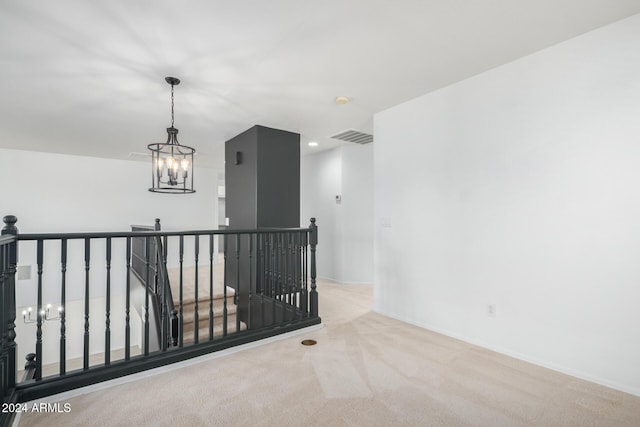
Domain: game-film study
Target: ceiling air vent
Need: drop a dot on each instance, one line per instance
(351, 135)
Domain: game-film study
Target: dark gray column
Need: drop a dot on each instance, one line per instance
(262, 178)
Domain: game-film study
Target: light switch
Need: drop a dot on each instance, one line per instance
(24, 272)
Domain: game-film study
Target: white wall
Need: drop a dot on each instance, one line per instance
(54, 192)
(61, 193)
(519, 188)
(357, 214)
(320, 182)
(345, 247)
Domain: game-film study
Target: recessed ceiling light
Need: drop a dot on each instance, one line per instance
(341, 100)
(312, 144)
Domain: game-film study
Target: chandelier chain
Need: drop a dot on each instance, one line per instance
(172, 105)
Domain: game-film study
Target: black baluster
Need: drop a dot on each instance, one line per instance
(8, 307)
(224, 291)
(29, 367)
(250, 280)
(127, 315)
(237, 295)
(195, 313)
(299, 280)
(290, 275)
(283, 275)
(160, 294)
(4, 264)
(265, 265)
(210, 286)
(4, 277)
(277, 270)
(40, 256)
(305, 290)
(87, 266)
(287, 271)
(313, 240)
(164, 301)
(174, 327)
(181, 319)
(63, 304)
(273, 249)
(269, 265)
(147, 262)
(107, 331)
(262, 275)
(298, 277)
(294, 273)
(264, 247)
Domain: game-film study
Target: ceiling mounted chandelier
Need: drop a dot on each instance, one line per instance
(171, 163)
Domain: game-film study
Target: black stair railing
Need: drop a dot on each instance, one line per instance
(154, 276)
(271, 271)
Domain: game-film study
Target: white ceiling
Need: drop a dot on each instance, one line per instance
(87, 78)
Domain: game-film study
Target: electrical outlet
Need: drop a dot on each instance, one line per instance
(491, 310)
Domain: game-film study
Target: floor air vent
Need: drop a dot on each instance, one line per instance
(351, 135)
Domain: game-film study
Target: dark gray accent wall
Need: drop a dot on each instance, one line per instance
(264, 189)
(241, 181)
(278, 200)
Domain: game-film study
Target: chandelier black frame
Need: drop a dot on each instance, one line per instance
(171, 163)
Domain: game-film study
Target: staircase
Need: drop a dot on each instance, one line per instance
(189, 302)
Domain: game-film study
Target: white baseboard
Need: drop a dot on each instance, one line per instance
(342, 282)
(545, 364)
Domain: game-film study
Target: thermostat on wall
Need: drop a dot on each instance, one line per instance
(338, 198)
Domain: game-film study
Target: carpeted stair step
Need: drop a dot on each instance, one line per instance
(188, 284)
(188, 317)
(203, 303)
(203, 333)
(203, 297)
(217, 327)
(220, 291)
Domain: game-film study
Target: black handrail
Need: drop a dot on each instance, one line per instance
(163, 298)
(166, 316)
(144, 249)
(123, 234)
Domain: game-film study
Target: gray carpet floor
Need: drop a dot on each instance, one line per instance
(366, 370)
